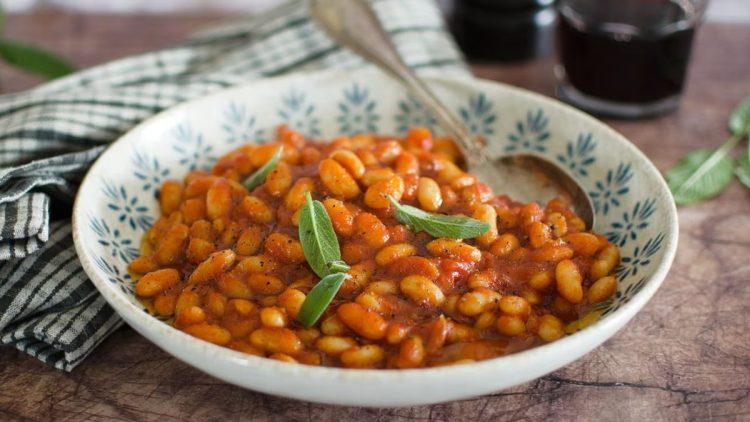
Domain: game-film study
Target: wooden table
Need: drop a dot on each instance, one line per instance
(685, 356)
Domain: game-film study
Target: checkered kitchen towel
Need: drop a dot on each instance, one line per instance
(50, 135)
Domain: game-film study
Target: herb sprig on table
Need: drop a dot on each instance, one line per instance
(705, 173)
(30, 58)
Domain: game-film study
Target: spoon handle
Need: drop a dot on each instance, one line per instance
(353, 24)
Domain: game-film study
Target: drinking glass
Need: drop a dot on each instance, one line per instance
(625, 58)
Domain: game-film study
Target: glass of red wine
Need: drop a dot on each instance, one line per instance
(625, 58)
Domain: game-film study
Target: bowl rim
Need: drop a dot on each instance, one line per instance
(596, 333)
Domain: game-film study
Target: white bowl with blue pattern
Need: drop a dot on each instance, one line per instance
(117, 203)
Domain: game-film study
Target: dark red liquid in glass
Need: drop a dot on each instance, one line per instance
(638, 54)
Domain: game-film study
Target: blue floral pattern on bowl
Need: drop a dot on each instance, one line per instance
(299, 113)
(239, 125)
(609, 192)
(121, 204)
(411, 114)
(128, 207)
(530, 134)
(148, 169)
(357, 111)
(111, 239)
(193, 150)
(479, 116)
(116, 274)
(639, 258)
(632, 223)
(579, 156)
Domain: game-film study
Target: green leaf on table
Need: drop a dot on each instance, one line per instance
(319, 242)
(259, 177)
(699, 175)
(319, 298)
(704, 173)
(34, 59)
(739, 120)
(742, 169)
(439, 225)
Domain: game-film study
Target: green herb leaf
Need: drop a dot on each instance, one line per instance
(439, 225)
(739, 120)
(319, 242)
(319, 298)
(34, 59)
(742, 170)
(338, 266)
(321, 249)
(256, 179)
(700, 175)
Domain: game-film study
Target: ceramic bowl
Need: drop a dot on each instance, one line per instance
(117, 203)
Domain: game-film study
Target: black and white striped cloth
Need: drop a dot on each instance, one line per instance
(50, 135)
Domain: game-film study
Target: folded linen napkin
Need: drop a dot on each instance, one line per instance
(50, 135)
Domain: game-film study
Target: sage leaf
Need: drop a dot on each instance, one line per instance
(739, 120)
(34, 59)
(439, 225)
(742, 169)
(338, 267)
(319, 242)
(700, 175)
(319, 298)
(256, 179)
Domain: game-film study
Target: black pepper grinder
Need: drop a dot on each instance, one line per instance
(503, 30)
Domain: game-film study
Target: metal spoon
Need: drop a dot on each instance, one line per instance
(523, 177)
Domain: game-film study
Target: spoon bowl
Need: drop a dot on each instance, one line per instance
(523, 177)
(527, 178)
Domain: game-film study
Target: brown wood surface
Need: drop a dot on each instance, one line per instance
(686, 356)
